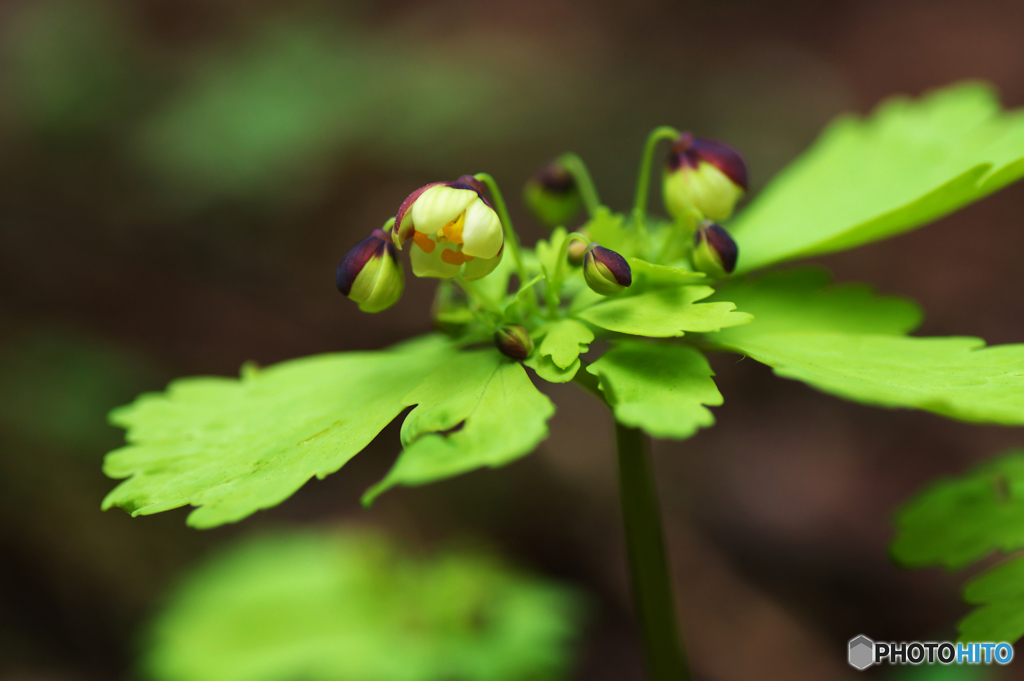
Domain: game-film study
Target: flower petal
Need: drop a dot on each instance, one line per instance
(402, 230)
(477, 268)
(438, 206)
(482, 235)
(433, 264)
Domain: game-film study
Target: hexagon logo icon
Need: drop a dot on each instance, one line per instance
(862, 652)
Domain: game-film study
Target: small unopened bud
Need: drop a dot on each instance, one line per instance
(714, 251)
(703, 175)
(371, 274)
(551, 195)
(514, 341)
(606, 271)
(575, 253)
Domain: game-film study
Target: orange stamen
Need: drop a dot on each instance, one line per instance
(453, 230)
(424, 242)
(455, 257)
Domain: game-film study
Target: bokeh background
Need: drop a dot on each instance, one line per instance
(178, 179)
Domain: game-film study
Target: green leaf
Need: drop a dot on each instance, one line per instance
(802, 300)
(863, 180)
(606, 228)
(1000, 592)
(549, 371)
(478, 409)
(564, 341)
(548, 250)
(232, 447)
(664, 313)
(659, 388)
(648, 276)
(957, 521)
(954, 377)
(327, 606)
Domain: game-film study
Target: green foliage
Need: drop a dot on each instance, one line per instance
(954, 377)
(478, 409)
(327, 606)
(232, 447)
(864, 180)
(659, 388)
(564, 341)
(664, 313)
(957, 521)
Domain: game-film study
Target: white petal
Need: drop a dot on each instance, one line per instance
(431, 265)
(438, 206)
(481, 235)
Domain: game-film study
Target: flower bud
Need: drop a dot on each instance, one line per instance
(514, 341)
(575, 253)
(714, 251)
(703, 175)
(371, 274)
(606, 271)
(551, 195)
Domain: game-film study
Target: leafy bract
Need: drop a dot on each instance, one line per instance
(647, 276)
(328, 606)
(478, 409)
(957, 521)
(551, 372)
(233, 447)
(802, 300)
(863, 180)
(564, 341)
(659, 388)
(664, 313)
(955, 377)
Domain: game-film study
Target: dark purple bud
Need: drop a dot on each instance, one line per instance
(689, 151)
(714, 251)
(371, 274)
(606, 271)
(513, 340)
(552, 196)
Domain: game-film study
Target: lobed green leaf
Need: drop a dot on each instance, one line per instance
(564, 341)
(659, 388)
(327, 606)
(231, 447)
(478, 409)
(664, 313)
(910, 163)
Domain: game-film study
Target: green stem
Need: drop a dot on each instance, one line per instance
(554, 287)
(588, 192)
(648, 560)
(476, 296)
(511, 238)
(645, 547)
(643, 179)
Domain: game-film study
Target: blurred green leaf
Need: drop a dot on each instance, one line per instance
(1000, 593)
(648, 276)
(863, 180)
(327, 606)
(607, 229)
(232, 447)
(549, 371)
(664, 313)
(659, 388)
(478, 409)
(956, 377)
(804, 300)
(957, 521)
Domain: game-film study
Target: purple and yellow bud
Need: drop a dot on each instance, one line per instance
(451, 226)
(606, 271)
(371, 274)
(551, 195)
(513, 340)
(714, 251)
(705, 176)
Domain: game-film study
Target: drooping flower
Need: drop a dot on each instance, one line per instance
(606, 271)
(705, 176)
(453, 228)
(371, 274)
(551, 195)
(714, 251)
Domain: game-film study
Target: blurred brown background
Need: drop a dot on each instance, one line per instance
(178, 179)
